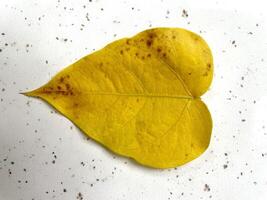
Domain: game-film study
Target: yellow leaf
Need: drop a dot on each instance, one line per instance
(140, 96)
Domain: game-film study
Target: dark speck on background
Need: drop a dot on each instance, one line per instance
(206, 188)
(79, 196)
(184, 13)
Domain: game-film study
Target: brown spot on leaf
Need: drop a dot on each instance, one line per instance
(205, 74)
(159, 49)
(149, 55)
(67, 86)
(58, 87)
(149, 42)
(152, 35)
(121, 52)
(128, 41)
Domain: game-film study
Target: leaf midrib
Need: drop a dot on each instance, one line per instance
(147, 95)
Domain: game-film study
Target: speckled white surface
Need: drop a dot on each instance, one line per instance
(44, 156)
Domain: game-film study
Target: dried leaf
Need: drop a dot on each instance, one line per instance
(140, 96)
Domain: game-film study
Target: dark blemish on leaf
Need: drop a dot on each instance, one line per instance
(173, 37)
(58, 87)
(149, 55)
(12, 162)
(128, 41)
(67, 86)
(143, 57)
(136, 53)
(64, 190)
(159, 49)
(152, 35)
(164, 55)
(189, 73)
(121, 52)
(225, 166)
(127, 49)
(205, 74)
(149, 42)
(61, 79)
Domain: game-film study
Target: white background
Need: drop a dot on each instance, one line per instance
(39, 38)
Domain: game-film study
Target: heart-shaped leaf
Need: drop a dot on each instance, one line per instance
(140, 96)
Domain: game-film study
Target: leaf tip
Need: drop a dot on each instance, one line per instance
(29, 93)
